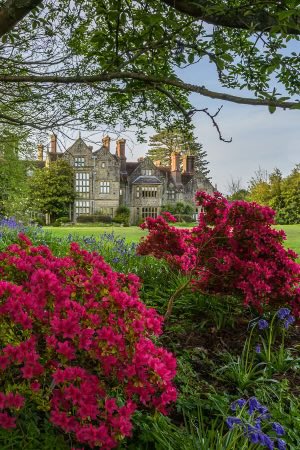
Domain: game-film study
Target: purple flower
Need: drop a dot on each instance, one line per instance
(267, 441)
(253, 405)
(231, 421)
(262, 324)
(258, 348)
(278, 428)
(282, 313)
(288, 321)
(240, 402)
(281, 444)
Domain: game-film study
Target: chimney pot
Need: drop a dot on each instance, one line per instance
(53, 148)
(40, 152)
(106, 142)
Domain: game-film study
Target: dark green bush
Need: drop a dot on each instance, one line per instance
(94, 218)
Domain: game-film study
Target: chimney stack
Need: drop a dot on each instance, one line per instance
(53, 145)
(175, 161)
(120, 151)
(106, 142)
(40, 152)
(188, 163)
(175, 167)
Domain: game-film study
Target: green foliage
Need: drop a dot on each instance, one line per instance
(282, 194)
(52, 189)
(94, 218)
(182, 211)
(122, 215)
(34, 432)
(181, 140)
(13, 171)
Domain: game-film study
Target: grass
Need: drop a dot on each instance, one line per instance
(133, 234)
(293, 236)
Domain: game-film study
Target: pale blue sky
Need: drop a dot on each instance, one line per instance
(259, 139)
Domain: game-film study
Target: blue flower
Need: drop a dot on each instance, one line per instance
(288, 321)
(262, 324)
(278, 428)
(240, 402)
(253, 405)
(281, 444)
(258, 348)
(282, 313)
(231, 421)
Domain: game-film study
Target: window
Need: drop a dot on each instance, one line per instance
(82, 207)
(171, 194)
(104, 187)
(147, 172)
(149, 191)
(137, 192)
(103, 165)
(149, 212)
(83, 183)
(79, 161)
(121, 191)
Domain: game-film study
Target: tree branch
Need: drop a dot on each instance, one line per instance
(106, 77)
(13, 11)
(254, 17)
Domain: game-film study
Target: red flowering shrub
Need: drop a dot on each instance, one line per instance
(234, 250)
(76, 340)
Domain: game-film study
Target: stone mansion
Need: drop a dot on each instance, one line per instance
(105, 179)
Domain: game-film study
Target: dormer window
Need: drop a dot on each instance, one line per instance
(147, 172)
(79, 161)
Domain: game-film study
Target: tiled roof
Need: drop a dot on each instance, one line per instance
(146, 180)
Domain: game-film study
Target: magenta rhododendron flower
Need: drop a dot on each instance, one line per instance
(234, 250)
(81, 344)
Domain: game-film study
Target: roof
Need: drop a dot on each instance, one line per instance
(131, 166)
(186, 177)
(146, 180)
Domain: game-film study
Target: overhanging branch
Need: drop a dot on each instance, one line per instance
(254, 17)
(107, 77)
(13, 11)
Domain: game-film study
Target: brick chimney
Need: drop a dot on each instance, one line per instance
(121, 153)
(175, 167)
(53, 144)
(106, 142)
(40, 152)
(140, 159)
(188, 164)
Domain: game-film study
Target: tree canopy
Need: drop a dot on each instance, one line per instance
(112, 62)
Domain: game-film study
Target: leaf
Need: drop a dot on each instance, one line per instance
(272, 108)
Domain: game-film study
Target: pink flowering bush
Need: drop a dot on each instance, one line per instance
(234, 250)
(76, 341)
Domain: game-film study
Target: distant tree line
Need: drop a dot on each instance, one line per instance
(281, 193)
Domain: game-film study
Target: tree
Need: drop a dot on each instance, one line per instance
(14, 149)
(52, 189)
(236, 191)
(122, 61)
(178, 140)
(164, 143)
(259, 188)
(289, 212)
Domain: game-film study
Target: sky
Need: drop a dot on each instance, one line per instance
(259, 139)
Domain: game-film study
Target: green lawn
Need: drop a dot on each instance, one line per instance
(133, 234)
(293, 236)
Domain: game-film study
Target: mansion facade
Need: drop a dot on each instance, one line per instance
(105, 180)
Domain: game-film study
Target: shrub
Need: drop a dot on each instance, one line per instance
(234, 250)
(93, 218)
(76, 340)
